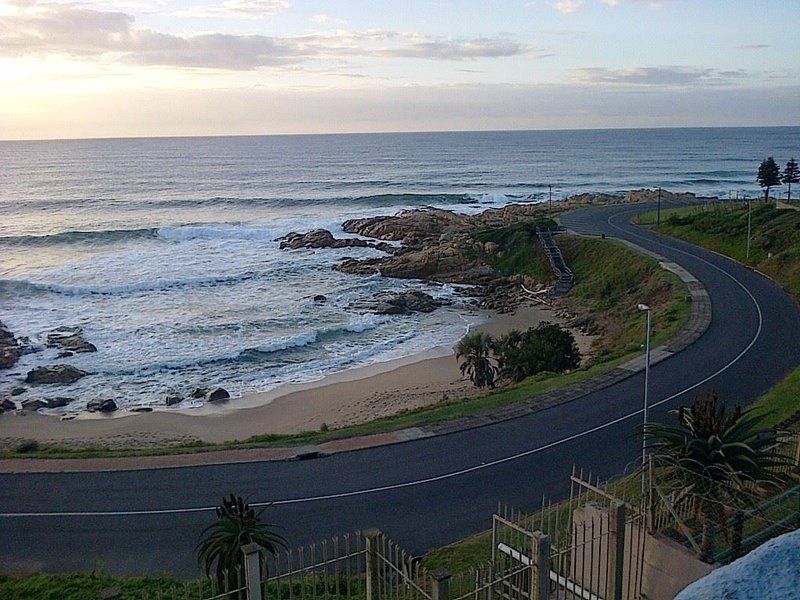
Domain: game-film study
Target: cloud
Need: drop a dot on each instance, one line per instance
(568, 6)
(249, 9)
(459, 50)
(323, 19)
(659, 76)
(64, 29)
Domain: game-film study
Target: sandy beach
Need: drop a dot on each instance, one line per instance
(344, 398)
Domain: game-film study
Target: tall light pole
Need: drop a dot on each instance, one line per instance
(658, 224)
(550, 187)
(649, 311)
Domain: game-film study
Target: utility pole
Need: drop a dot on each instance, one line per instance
(551, 198)
(658, 224)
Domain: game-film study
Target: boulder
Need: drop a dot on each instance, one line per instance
(173, 398)
(17, 391)
(319, 238)
(198, 393)
(401, 303)
(104, 406)
(217, 395)
(141, 409)
(63, 374)
(69, 339)
(320, 299)
(33, 405)
(9, 349)
(58, 402)
(7, 404)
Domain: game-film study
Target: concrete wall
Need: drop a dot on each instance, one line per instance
(662, 566)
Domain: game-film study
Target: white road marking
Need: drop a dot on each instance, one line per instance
(450, 475)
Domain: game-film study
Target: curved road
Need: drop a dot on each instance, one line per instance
(423, 493)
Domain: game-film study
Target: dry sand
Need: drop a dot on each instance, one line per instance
(344, 398)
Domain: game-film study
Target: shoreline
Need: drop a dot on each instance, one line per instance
(344, 398)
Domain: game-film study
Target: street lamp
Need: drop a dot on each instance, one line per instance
(649, 311)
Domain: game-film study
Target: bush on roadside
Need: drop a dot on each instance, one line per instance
(545, 348)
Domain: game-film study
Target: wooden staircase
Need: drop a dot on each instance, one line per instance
(565, 280)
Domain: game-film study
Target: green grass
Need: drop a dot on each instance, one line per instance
(70, 586)
(611, 280)
(611, 277)
(781, 402)
(775, 250)
(521, 251)
(89, 586)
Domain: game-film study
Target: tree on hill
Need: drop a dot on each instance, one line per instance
(769, 175)
(791, 174)
(475, 349)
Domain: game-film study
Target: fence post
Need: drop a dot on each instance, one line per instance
(540, 577)
(371, 538)
(252, 570)
(440, 584)
(616, 549)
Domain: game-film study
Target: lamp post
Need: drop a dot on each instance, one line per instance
(658, 223)
(649, 311)
(550, 208)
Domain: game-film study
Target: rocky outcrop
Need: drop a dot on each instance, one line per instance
(412, 227)
(68, 339)
(173, 398)
(445, 263)
(198, 393)
(400, 303)
(7, 405)
(33, 405)
(217, 395)
(58, 402)
(62, 374)
(9, 349)
(353, 266)
(646, 195)
(322, 238)
(104, 406)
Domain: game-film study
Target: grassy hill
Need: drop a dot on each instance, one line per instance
(774, 250)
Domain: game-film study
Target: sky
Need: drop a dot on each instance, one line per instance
(106, 68)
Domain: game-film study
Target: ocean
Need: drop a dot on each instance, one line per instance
(163, 251)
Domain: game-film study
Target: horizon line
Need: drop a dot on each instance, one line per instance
(388, 132)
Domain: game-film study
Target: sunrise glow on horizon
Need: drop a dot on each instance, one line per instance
(100, 68)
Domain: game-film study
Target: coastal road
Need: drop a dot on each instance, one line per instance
(423, 493)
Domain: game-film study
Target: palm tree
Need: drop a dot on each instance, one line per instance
(220, 547)
(717, 455)
(475, 349)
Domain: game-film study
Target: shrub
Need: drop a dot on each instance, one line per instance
(547, 347)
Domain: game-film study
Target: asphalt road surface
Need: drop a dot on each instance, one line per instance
(423, 493)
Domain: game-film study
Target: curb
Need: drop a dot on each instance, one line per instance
(699, 321)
